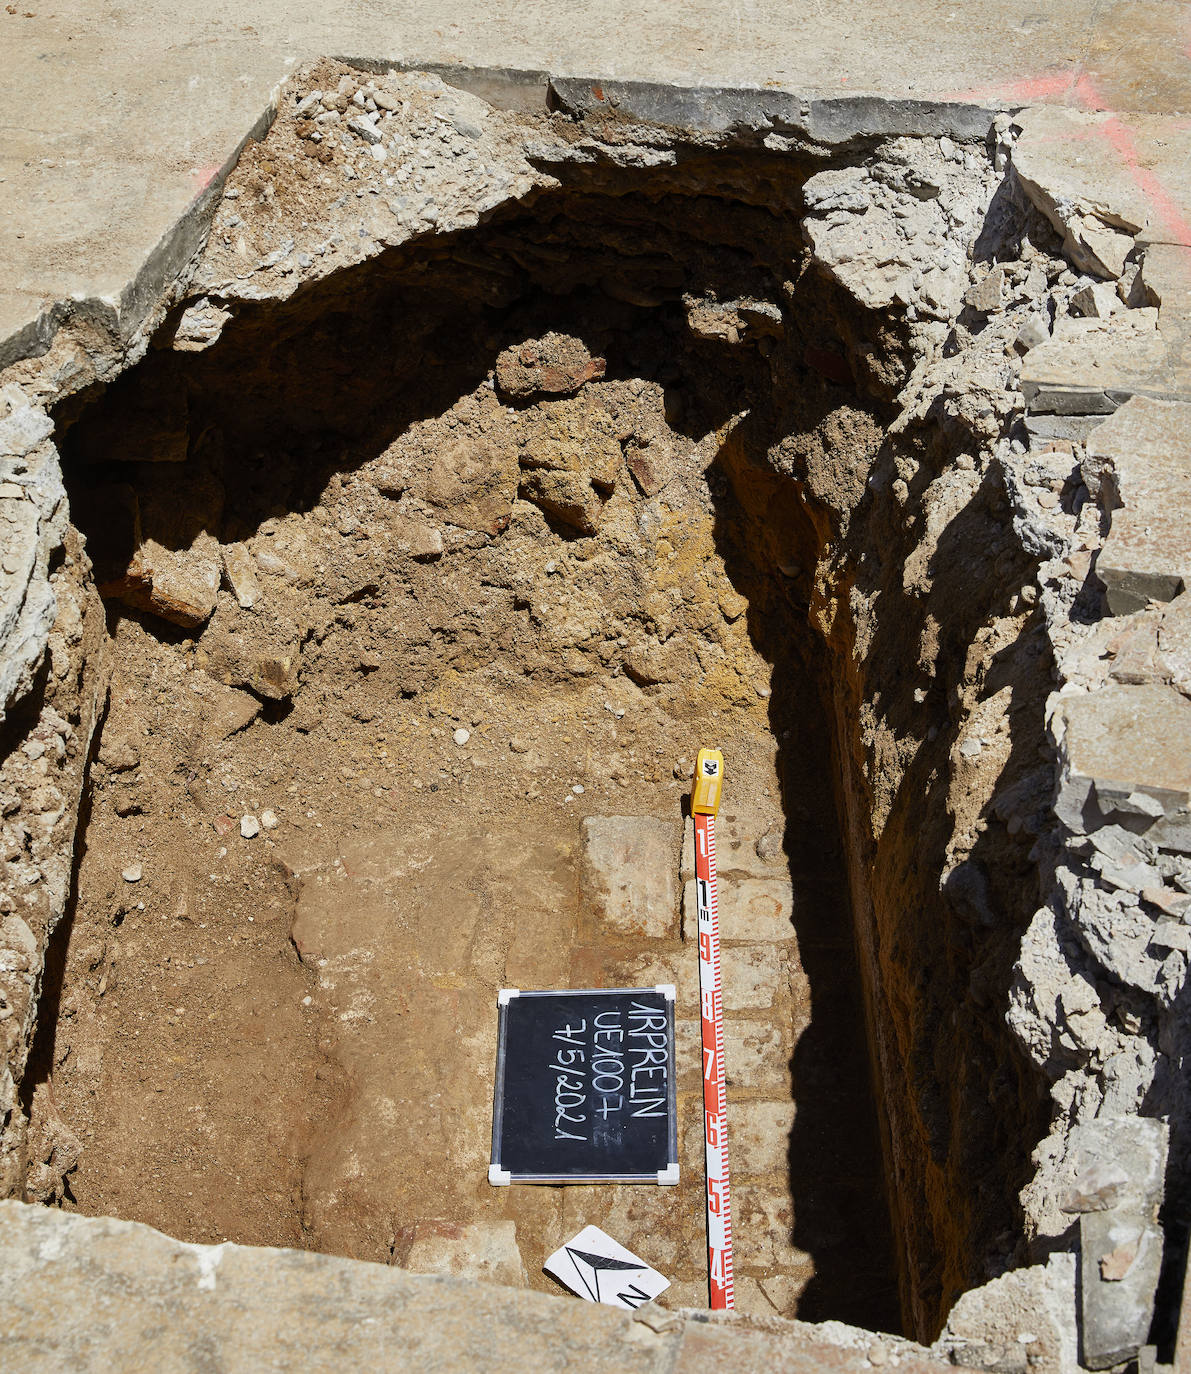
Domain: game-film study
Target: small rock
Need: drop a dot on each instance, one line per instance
(578, 789)
(554, 365)
(1031, 334)
(133, 873)
(769, 847)
(270, 820)
(461, 736)
(987, 295)
(518, 746)
(240, 571)
(364, 128)
(250, 827)
(732, 604)
(419, 539)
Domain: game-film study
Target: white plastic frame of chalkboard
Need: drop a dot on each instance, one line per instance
(499, 1176)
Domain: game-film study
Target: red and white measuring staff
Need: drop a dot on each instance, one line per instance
(705, 803)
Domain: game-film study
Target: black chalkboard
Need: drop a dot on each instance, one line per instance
(585, 1087)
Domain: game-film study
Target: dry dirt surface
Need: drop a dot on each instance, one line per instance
(332, 819)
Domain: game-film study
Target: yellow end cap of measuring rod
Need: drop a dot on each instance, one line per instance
(709, 783)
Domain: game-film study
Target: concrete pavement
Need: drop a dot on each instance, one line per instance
(115, 119)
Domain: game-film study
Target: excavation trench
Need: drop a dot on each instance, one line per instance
(411, 571)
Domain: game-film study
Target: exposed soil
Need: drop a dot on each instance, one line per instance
(289, 1038)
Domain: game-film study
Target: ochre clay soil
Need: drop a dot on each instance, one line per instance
(289, 1038)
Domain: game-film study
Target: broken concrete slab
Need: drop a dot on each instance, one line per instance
(94, 1293)
(627, 879)
(1024, 1320)
(1147, 553)
(1120, 1258)
(1090, 367)
(1122, 741)
(1120, 172)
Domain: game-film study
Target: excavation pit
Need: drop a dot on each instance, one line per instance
(295, 1034)
(460, 496)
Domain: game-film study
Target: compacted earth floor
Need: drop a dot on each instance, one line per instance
(276, 998)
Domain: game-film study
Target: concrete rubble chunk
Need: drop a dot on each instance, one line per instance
(1024, 1320)
(1096, 206)
(627, 878)
(732, 321)
(22, 431)
(1122, 741)
(1147, 554)
(200, 326)
(1120, 1257)
(1096, 300)
(868, 229)
(1115, 1162)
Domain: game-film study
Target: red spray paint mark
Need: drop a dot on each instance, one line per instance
(203, 176)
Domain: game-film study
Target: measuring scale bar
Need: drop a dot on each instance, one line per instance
(705, 802)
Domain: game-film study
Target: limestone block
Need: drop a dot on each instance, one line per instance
(1120, 1256)
(627, 877)
(756, 909)
(477, 1250)
(736, 846)
(1123, 743)
(759, 1142)
(752, 975)
(1147, 554)
(754, 1057)
(762, 1223)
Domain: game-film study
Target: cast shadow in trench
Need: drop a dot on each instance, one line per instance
(964, 1091)
(841, 1221)
(970, 1098)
